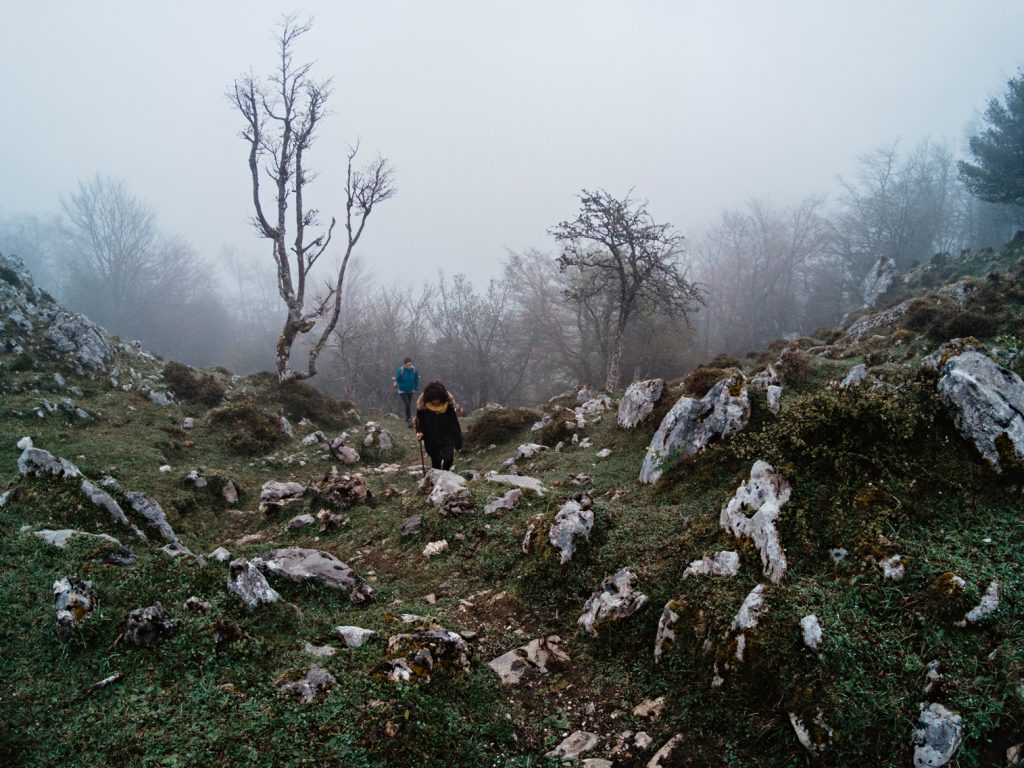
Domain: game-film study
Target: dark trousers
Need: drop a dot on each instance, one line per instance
(407, 399)
(443, 458)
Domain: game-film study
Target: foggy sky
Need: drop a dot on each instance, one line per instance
(495, 114)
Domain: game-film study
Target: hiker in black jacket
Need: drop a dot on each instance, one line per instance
(437, 425)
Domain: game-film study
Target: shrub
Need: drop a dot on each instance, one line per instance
(186, 385)
(942, 320)
(722, 360)
(10, 276)
(700, 380)
(827, 333)
(795, 368)
(498, 426)
(247, 428)
(300, 400)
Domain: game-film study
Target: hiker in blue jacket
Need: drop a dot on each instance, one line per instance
(407, 382)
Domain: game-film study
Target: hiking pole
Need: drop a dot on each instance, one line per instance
(423, 464)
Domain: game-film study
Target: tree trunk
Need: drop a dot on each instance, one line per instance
(612, 381)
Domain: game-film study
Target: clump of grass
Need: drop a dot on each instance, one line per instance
(300, 400)
(495, 426)
(186, 385)
(246, 428)
(723, 360)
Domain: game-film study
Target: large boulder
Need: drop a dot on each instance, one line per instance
(878, 280)
(692, 424)
(573, 521)
(987, 404)
(298, 564)
(638, 402)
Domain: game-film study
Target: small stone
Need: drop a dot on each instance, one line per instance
(574, 745)
(196, 605)
(316, 683)
(811, 629)
(188, 423)
(301, 521)
(25, 443)
(412, 525)
(165, 468)
(650, 708)
(220, 554)
(604, 453)
(355, 637)
(435, 548)
(319, 651)
(146, 627)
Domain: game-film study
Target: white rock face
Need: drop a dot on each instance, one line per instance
(246, 581)
(987, 404)
(692, 424)
(540, 656)
(275, 495)
(573, 521)
(856, 376)
(774, 395)
(725, 563)
(616, 599)
(810, 628)
(355, 637)
(25, 443)
(666, 634)
(878, 279)
(765, 494)
(638, 402)
(815, 742)
(938, 736)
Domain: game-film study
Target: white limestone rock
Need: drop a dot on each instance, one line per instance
(314, 685)
(616, 599)
(518, 481)
(275, 495)
(508, 501)
(355, 637)
(987, 404)
(725, 563)
(435, 548)
(764, 494)
(638, 401)
(246, 581)
(540, 656)
(691, 424)
(774, 395)
(574, 745)
(299, 564)
(810, 629)
(938, 736)
(816, 737)
(573, 521)
(989, 604)
(60, 538)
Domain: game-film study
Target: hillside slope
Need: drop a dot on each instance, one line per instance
(875, 516)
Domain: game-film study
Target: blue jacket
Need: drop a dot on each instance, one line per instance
(407, 379)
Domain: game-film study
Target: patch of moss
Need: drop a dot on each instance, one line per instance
(186, 385)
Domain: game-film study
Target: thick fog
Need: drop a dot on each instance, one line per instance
(495, 116)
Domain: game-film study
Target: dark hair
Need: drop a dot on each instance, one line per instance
(407, 360)
(435, 392)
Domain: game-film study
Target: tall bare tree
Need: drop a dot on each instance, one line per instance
(615, 245)
(282, 115)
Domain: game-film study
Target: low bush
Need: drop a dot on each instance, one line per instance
(700, 380)
(186, 385)
(722, 360)
(498, 426)
(300, 400)
(246, 428)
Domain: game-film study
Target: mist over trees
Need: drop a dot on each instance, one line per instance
(617, 296)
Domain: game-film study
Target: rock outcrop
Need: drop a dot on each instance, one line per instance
(298, 564)
(764, 494)
(692, 424)
(616, 599)
(638, 402)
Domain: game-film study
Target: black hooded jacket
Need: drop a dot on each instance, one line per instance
(441, 431)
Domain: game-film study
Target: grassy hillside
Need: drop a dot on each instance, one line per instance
(873, 471)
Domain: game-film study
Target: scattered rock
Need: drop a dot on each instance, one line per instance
(574, 745)
(328, 520)
(573, 521)
(316, 683)
(666, 634)
(746, 619)
(275, 495)
(74, 334)
(810, 628)
(196, 478)
(188, 423)
(342, 452)
(301, 521)
(146, 627)
(412, 525)
(662, 758)
(246, 581)
(774, 395)
(650, 709)
(435, 548)
(424, 652)
(815, 737)
(518, 481)
(893, 568)
(24, 444)
(765, 493)
(989, 604)
(616, 599)
(220, 554)
(355, 637)
(725, 563)
(320, 651)
(692, 424)
(638, 401)
(766, 378)
(73, 600)
(154, 514)
(341, 491)
(604, 453)
(541, 656)
(508, 501)
(987, 405)
(314, 438)
(61, 537)
(377, 437)
(938, 737)
(298, 564)
(196, 604)
(857, 376)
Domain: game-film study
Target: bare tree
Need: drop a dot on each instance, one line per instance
(616, 245)
(282, 115)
